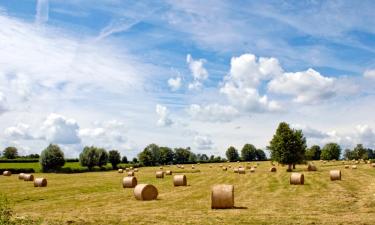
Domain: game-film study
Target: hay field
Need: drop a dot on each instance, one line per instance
(260, 198)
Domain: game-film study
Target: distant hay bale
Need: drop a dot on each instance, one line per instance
(129, 182)
(7, 173)
(297, 178)
(258, 163)
(210, 166)
(130, 173)
(193, 167)
(222, 196)
(230, 166)
(28, 177)
(354, 167)
(335, 175)
(373, 164)
(255, 166)
(238, 161)
(235, 170)
(224, 168)
(178, 166)
(356, 162)
(40, 182)
(159, 174)
(131, 168)
(120, 170)
(127, 169)
(145, 192)
(168, 172)
(241, 170)
(179, 180)
(20, 176)
(248, 167)
(311, 167)
(182, 167)
(324, 162)
(273, 169)
(135, 170)
(252, 170)
(346, 166)
(161, 168)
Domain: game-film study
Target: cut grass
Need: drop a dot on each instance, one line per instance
(261, 197)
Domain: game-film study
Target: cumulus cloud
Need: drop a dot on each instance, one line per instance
(20, 131)
(174, 83)
(3, 103)
(203, 142)
(370, 74)
(61, 130)
(163, 114)
(307, 86)
(42, 8)
(310, 132)
(197, 70)
(213, 112)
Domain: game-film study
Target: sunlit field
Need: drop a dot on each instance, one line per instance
(260, 198)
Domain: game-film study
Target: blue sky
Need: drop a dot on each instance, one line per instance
(124, 74)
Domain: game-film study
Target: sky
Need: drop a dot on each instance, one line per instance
(205, 74)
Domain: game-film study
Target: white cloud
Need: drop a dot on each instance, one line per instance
(197, 70)
(213, 112)
(369, 74)
(3, 103)
(307, 86)
(20, 131)
(174, 83)
(163, 114)
(203, 142)
(60, 130)
(42, 8)
(310, 132)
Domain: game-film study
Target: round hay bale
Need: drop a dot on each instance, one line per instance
(193, 167)
(179, 180)
(252, 170)
(136, 170)
(40, 182)
(346, 166)
(248, 167)
(145, 192)
(311, 167)
(255, 166)
(28, 177)
(129, 182)
(297, 178)
(373, 164)
(127, 169)
(241, 170)
(356, 162)
(229, 166)
(168, 172)
(131, 174)
(235, 170)
(120, 170)
(210, 166)
(159, 174)
(7, 173)
(335, 175)
(20, 176)
(222, 196)
(182, 167)
(131, 168)
(161, 168)
(224, 168)
(273, 169)
(354, 167)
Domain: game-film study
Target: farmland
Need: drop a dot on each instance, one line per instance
(260, 198)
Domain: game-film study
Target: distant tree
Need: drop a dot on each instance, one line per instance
(155, 154)
(89, 157)
(52, 158)
(33, 156)
(135, 160)
(313, 153)
(182, 155)
(232, 154)
(10, 152)
(114, 158)
(124, 159)
(370, 153)
(348, 154)
(248, 152)
(102, 157)
(192, 158)
(260, 155)
(145, 157)
(287, 146)
(331, 151)
(212, 158)
(204, 158)
(166, 155)
(360, 152)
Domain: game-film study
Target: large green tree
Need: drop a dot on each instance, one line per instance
(287, 146)
(145, 158)
(89, 157)
(114, 158)
(182, 155)
(52, 158)
(166, 155)
(331, 151)
(313, 153)
(248, 152)
(10, 152)
(360, 152)
(232, 154)
(102, 157)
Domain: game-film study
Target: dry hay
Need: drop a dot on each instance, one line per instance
(230, 166)
(273, 169)
(135, 170)
(129, 182)
(159, 174)
(120, 170)
(346, 166)
(335, 175)
(127, 169)
(252, 170)
(161, 168)
(20, 176)
(179, 180)
(182, 167)
(241, 170)
(168, 172)
(210, 166)
(297, 178)
(354, 167)
(373, 164)
(130, 173)
(224, 169)
(40, 182)
(235, 170)
(356, 162)
(145, 192)
(248, 167)
(311, 167)
(255, 166)
(222, 196)
(131, 168)
(28, 177)
(193, 167)
(7, 173)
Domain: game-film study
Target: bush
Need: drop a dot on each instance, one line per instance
(17, 170)
(92, 156)
(18, 160)
(52, 158)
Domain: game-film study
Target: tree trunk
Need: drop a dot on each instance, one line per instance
(289, 168)
(294, 166)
